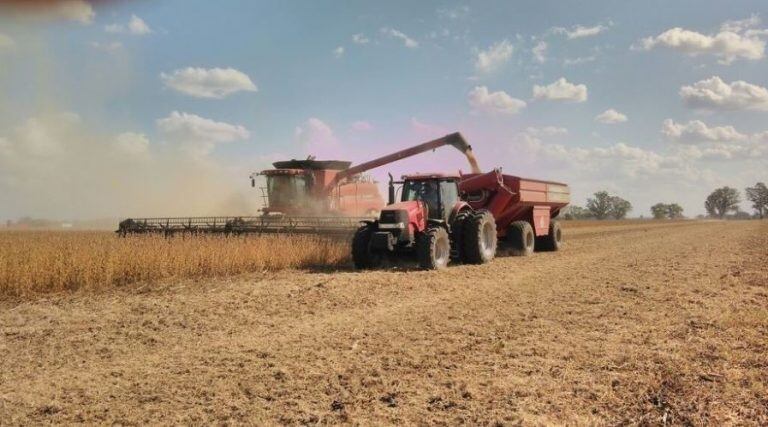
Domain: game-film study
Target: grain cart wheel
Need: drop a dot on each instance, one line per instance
(479, 238)
(362, 255)
(457, 235)
(521, 238)
(433, 248)
(553, 240)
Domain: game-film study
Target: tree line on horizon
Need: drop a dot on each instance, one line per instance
(719, 204)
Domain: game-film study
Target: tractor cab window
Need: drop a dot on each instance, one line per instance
(287, 190)
(449, 195)
(427, 192)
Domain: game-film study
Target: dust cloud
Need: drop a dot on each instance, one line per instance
(53, 166)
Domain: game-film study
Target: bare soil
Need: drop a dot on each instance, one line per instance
(637, 323)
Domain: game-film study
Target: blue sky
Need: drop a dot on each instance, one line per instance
(652, 101)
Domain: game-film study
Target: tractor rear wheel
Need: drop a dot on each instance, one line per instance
(362, 255)
(553, 240)
(433, 248)
(479, 238)
(457, 235)
(521, 238)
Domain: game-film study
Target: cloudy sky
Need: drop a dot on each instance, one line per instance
(164, 107)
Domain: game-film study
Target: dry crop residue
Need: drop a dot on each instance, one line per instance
(638, 323)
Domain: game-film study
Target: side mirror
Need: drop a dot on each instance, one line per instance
(253, 182)
(391, 189)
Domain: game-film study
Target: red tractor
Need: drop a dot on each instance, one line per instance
(443, 218)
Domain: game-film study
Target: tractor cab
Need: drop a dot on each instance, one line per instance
(438, 192)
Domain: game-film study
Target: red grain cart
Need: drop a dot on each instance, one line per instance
(522, 208)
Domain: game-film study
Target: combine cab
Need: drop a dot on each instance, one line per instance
(299, 187)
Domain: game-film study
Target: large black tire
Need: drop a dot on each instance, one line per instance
(521, 238)
(479, 238)
(433, 248)
(362, 255)
(553, 240)
(457, 235)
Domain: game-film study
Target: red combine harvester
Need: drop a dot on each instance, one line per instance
(440, 218)
(304, 196)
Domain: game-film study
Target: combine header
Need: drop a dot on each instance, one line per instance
(326, 197)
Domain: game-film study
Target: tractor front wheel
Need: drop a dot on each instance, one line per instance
(433, 248)
(521, 238)
(362, 255)
(553, 240)
(479, 238)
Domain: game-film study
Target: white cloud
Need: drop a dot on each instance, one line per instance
(580, 31)
(6, 43)
(499, 102)
(737, 26)
(138, 27)
(561, 90)
(578, 61)
(317, 138)
(700, 141)
(360, 38)
(215, 83)
(540, 51)
(39, 136)
(135, 26)
(696, 131)
(610, 116)
(131, 143)
(361, 126)
(734, 41)
(74, 10)
(407, 41)
(198, 135)
(494, 57)
(109, 47)
(713, 93)
(453, 13)
(546, 131)
(338, 52)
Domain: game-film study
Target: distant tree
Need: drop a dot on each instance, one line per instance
(667, 210)
(619, 207)
(722, 201)
(674, 211)
(758, 195)
(740, 214)
(600, 206)
(659, 210)
(574, 212)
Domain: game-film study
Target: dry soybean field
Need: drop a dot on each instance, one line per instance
(631, 323)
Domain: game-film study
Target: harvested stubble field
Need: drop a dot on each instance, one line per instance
(633, 323)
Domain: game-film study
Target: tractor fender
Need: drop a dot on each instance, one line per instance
(437, 223)
(459, 207)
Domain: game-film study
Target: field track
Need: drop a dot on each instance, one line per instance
(631, 323)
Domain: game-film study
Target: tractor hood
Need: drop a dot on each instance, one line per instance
(408, 206)
(411, 213)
